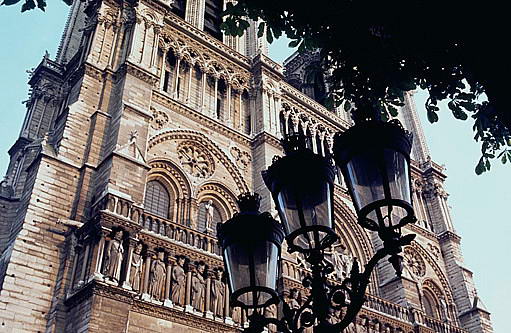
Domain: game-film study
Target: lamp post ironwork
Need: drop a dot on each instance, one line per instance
(377, 174)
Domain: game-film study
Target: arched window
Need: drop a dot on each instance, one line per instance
(157, 199)
(208, 208)
(430, 304)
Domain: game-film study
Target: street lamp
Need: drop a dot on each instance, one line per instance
(301, 183)
(251, 243)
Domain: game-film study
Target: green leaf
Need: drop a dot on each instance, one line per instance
(294, 43)
(9, 2)
(269, 35)
(504, 159)
(41, 4)
(480, 168)
(28, 5)
(260, 29)
(347, 106)
(392, 110)
(432, 116)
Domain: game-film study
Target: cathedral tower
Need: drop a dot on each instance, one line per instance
(137, 139)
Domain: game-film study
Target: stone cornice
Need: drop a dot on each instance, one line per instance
(322, 114)
(449, 236)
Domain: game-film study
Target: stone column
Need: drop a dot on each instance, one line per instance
(176, 88)
(111, 57)
(229, 120)
(147, 270)
(228, 319)
(85, 260)
(163, 68)
(75, 265)
(203, 94)
(207, 306)
(188, 295)
(168, 282)
(154, 52)
(98, 255)
(132, 243)
(146, 27)
(216, 99)
(189, 92)
(241, 110)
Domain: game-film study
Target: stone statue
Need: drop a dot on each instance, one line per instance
(198, 286)
(292, 299)
(179, 281)
(113, 257)
(236, 314)
(157, 277)
(342, 262)
(136, 268)
(210, 209)
(217, 293)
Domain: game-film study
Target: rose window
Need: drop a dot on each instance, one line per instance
(195, 160)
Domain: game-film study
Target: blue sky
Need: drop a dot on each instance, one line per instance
(478, 202)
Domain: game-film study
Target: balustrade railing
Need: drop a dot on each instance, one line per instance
(158, 225)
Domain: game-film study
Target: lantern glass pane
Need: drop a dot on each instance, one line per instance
(307, 205)
(398, 175)
(365, 180)
(252, 265)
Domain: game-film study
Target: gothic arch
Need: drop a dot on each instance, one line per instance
(213, 148)
(174, 180)
(353, 237)
(438, 271)
(221, 194)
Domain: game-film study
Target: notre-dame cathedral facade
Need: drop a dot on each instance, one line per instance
(139, 136)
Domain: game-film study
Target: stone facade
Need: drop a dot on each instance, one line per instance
(138, 136)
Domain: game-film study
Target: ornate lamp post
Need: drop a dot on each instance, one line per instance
(377, 174)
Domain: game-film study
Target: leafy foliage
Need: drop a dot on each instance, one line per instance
(377, 50)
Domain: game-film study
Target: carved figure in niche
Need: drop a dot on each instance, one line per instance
(198, 285)
(341, 260)
(157, 277)
(236, 314)
(136, 268)
(179, 281)
(113, 257)
(292, 299)
(210, 209)
(217, 292)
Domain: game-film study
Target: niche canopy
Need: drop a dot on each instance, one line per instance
(302, 184)
(251, 246)
(374, 158)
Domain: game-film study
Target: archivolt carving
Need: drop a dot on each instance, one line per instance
(165, 167)
(209, 146)
(195, 159)
(353, 237)
(224, 195)
(438, 272)
(434, 288)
